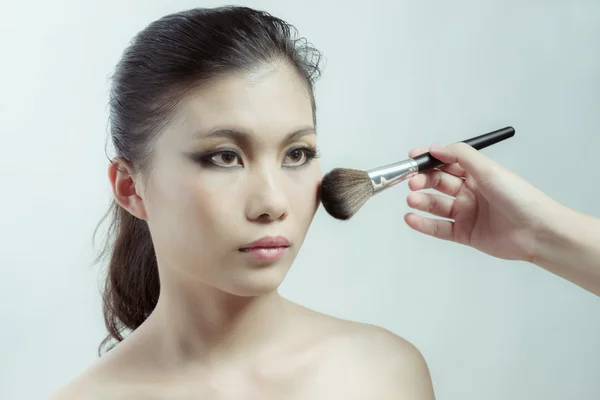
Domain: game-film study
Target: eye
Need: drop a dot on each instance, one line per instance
(225, 159)
(299, 156)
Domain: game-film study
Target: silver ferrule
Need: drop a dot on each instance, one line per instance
(391, 174)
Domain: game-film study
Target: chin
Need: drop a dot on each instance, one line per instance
(258, 282)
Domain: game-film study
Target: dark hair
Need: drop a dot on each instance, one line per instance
(164, 61)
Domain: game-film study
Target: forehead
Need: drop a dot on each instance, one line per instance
(271, 100)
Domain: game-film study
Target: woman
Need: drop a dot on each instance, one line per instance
(215, 186)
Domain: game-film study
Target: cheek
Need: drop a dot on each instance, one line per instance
(304, 196)
(194, 203)
(213, 201)
(215, 181)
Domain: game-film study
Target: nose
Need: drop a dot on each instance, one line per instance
(267, 200)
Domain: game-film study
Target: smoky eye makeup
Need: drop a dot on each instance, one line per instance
(294, 156)
(300, 155)
(219, 158)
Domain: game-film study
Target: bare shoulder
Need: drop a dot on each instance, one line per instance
(381, 364)
(84, 387)
(372, 362)
(98, 381)
(97, 384)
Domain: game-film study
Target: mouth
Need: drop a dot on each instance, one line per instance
(268, 248)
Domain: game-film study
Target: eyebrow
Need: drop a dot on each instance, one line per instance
(245, 136)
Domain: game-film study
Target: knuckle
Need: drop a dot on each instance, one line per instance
(435, 229)
(438, 182)
(432, 204)
(461, 146)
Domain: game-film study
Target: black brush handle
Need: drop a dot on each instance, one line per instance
(427, 161)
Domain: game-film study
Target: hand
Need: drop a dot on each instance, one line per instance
(490, 209)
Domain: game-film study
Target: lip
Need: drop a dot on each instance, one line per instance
(267, 242)
(268, 248)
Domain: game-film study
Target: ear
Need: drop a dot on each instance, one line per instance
(125, 190)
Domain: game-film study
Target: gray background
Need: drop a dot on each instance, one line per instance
(399, 74)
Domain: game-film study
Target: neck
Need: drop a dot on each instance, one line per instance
(207, 326)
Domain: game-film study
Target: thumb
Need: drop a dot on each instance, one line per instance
(468, 158)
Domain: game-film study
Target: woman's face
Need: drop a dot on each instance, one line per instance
(235, 166)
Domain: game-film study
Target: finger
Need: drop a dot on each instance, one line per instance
(440, 229)
(454, 169)
(437, 180)
(417, 151)
(471, 160)
(434, 204)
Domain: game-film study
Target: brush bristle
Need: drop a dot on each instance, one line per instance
(345, 191)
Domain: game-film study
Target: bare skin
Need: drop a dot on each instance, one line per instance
(314, 357)
(221, 330)
(499, 213)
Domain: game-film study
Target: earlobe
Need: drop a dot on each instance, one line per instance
(122, 180)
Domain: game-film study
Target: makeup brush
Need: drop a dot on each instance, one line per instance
(344, 191)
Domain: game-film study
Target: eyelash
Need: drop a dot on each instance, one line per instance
(309, 152)
(206, 159)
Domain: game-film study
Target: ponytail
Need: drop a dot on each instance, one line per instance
(132, 284)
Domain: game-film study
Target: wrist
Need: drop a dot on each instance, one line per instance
(567, 246)
(552, 234)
